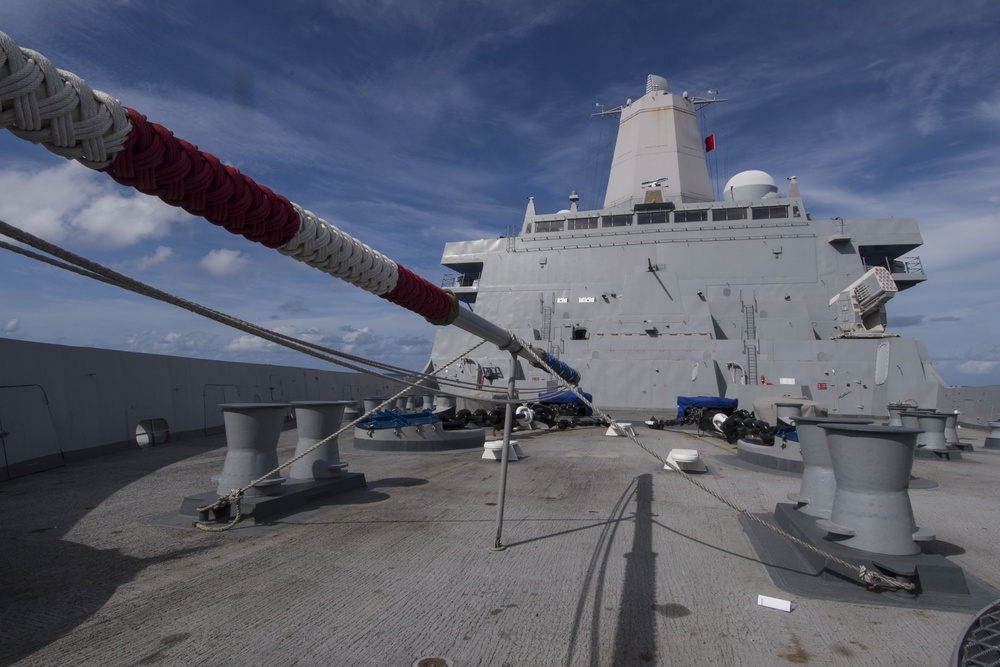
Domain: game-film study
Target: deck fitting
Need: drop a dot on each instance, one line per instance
(432, 661)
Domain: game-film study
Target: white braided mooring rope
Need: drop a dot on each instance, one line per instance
(57, 109)
(322, 246)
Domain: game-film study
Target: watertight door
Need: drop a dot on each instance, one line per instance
(27, 436)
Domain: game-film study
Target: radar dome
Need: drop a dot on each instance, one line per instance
(752, 184)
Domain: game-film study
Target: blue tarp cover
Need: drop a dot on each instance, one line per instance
(565, 397)
(386, 419)
(714, 402)
(562, 397)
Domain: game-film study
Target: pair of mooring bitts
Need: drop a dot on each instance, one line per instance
(253, 429)
(414, 403)
(856, 475)
(252, 432)
(940, 429)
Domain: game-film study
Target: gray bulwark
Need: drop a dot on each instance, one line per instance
(28, 440)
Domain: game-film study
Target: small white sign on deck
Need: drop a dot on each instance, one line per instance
(774, 603)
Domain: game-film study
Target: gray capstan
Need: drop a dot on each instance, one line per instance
(932, 426)
(895, 410)
(993, 439)
(316, 421)
(871, 505)
(252, 431)
(815, 496)
(788, 412)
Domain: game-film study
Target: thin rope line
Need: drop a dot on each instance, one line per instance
(90, 269)
(471, 390)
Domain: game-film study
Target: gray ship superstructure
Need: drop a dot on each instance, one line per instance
(666, 291)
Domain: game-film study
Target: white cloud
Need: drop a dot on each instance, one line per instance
(352, 336)
(115, 221)
(410, 350)
(11, 326)
(249, 344)
(988, 110)
(70, 202)
(41, 202)
(192, 343)
(159, 256)
(978, 367)
(224, 262)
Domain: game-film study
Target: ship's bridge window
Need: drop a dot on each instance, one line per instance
(543, 226)
(582, 223)
(616, 220)
(653, 217)
(769, 212)
(691, 215)
(467, 280)
(729, 214)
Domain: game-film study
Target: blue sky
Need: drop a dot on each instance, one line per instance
(410, 124)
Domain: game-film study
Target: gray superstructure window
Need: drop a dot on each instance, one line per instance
(581, 223)
(616, 220)
(729, 214)
(692, 215)
(769, 212)
(652, 217)
(543, 226)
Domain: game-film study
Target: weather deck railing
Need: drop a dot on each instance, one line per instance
(901, 265)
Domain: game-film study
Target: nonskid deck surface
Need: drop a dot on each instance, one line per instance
(609, 561)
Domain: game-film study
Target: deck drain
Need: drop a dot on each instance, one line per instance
(432, 661)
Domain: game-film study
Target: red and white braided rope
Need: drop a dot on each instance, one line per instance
(57, 109)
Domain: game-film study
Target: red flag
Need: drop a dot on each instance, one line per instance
(710, 143)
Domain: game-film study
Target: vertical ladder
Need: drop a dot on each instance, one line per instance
(546, 322)
(752, 362)
(750, 342)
